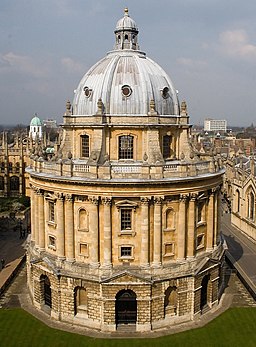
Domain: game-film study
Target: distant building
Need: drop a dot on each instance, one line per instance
(50, 123)
(215, 125)
(35, 130)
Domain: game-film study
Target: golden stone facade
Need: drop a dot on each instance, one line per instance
(125, 216)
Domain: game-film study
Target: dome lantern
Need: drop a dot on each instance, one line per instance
(126, 33)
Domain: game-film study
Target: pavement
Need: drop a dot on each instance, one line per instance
(15, 293)
(241, 253)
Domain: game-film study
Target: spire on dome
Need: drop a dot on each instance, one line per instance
(126, 33)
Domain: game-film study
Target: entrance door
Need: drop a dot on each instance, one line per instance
(47, 292)
(126, 307)
(204, 291)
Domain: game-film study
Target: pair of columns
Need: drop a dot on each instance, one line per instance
(64, 223)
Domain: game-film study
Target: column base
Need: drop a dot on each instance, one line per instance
(156, 265)
(94, 265)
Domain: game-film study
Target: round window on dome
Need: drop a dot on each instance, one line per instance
(165, 92)
(126, 90)
(87, 92)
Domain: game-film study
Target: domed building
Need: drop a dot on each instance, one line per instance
(35, 129)
(125, 223)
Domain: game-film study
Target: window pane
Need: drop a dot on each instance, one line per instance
(167, 146)
(126, 147)
(126, 219)
(85, 146)
(126, 251)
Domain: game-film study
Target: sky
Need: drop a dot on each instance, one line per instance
(207, 47)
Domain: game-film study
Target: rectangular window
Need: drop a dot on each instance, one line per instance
(126, 147)
(167, 146)
(126, 251)
(84, 249)
(200, 212)
(126, 219)
(85, 146)
(51, 211)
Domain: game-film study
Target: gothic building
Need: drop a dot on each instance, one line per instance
(125, 215)
(240, 188)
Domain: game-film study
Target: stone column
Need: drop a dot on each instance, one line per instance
(182, 228)
(41, 220)
(144, 258)
(191, 226)
(94, 229)
(216, 217)
(32, 212)
(107, 233)
(157, 256)
(60, 226)
(210, 223)
(36, 219)
(69, 228)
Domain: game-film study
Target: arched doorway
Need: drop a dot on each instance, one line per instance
(204, 292)
(126, 307)
(47, 292)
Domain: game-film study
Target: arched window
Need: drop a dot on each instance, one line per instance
(14, 183)
(2, 166)
(170, 219)
(85, 150)
(10, 167)
(167, 140)
(170, 301)
(237, 201)
(126, 147)
(17, 167)
(126, 38)
(250, 205)
(81, 300)
(204, 292)
(83, 220)
(46, 290)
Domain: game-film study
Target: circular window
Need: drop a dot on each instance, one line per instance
(126, 90)
(165, 92)
(87, 92)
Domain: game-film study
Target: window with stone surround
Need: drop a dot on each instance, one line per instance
(250, 205)
(201, 211)
(51, 211)
(167, 140)
(125, 147)
(126, 252)
(126, 209)
(85, 150)
(126, 219)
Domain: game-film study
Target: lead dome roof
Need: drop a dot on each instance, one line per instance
(126, 80)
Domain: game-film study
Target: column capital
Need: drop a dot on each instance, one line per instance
(158, 200)
(183, 197)
(144, 200)
(106, 200)
(94, 200)
(59, 196)
(39, 191)
(68, 197)
(193, 197)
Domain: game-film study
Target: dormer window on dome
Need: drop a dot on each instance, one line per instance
(87, 92)
(126, 90)
(126, 33)
(165, 92)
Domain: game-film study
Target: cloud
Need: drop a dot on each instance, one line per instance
(190, 63)
(235, 43)
(71, 65)
(11, 62)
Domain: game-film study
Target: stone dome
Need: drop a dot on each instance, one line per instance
(125, 80)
